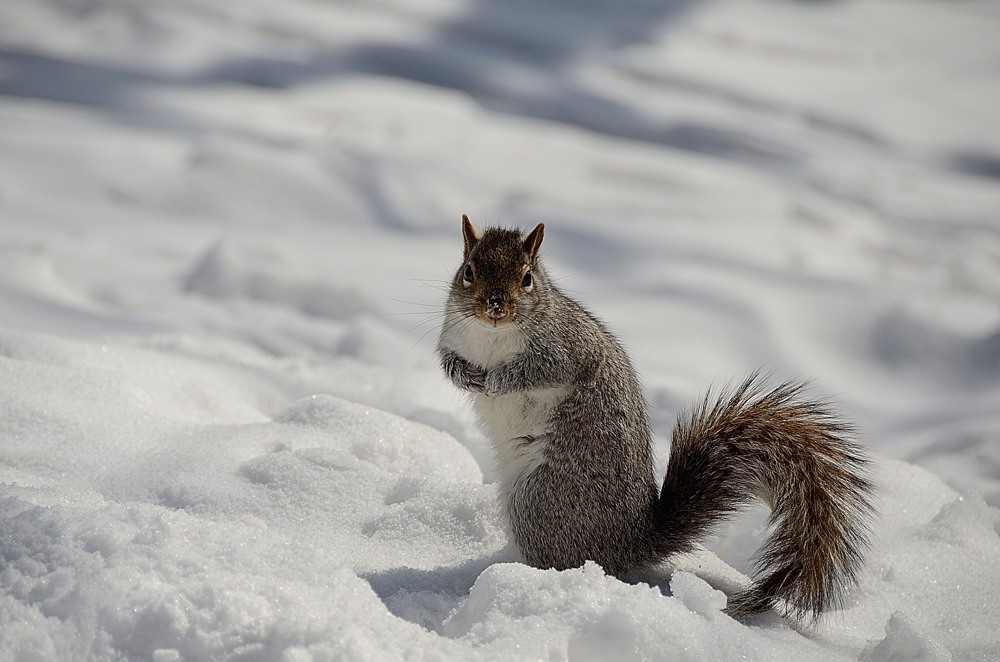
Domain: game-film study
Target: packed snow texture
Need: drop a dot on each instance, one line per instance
(226, 233)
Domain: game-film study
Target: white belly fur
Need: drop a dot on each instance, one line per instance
(518, 426)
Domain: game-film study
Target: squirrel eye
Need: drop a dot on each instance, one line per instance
(527, 281)
(467, 276)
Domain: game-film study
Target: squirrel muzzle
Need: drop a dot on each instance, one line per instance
(496, 311)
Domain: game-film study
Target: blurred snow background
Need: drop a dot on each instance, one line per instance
(225, 235)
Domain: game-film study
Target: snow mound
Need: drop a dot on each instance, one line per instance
(226, 271)
(226, 234)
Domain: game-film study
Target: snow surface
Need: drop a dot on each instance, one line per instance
(225, 232)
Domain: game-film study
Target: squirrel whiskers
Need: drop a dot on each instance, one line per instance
(560, 401)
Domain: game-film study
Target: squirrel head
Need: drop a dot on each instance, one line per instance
(500, 275)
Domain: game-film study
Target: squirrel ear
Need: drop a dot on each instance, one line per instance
(469, 234)
(534, 240)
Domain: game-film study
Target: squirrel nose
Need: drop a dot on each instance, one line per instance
(495, 309)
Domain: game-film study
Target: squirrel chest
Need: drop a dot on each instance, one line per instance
(518, 423)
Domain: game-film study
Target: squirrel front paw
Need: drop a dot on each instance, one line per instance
(474, 380)
(493, 384)
(465, 375)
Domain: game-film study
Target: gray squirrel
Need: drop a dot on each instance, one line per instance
(561, 404)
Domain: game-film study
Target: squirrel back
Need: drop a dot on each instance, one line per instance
(560, 401)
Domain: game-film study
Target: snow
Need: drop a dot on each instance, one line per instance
(226, 231)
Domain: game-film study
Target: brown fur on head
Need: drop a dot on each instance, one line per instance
(500, 270)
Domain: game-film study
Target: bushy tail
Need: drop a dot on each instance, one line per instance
(795, 455)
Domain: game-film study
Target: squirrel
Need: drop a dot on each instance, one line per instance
(561, 404)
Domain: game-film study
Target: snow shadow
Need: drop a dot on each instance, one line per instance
(515, 58)
(982, 164)
(427, 597)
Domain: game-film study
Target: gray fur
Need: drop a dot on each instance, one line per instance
(562, 405)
